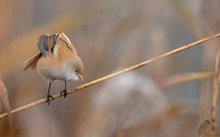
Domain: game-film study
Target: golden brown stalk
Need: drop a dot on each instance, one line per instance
(4, 96)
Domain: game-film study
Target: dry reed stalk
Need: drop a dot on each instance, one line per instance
(210, 20)
(4, 96)
(183, 78)
(134, 67)
(215, 96)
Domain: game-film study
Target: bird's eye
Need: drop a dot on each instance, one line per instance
(77, 71)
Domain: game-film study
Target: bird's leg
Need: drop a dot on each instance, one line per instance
(64, 92)
(49, 97)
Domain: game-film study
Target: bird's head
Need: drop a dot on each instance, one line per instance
(78, 68)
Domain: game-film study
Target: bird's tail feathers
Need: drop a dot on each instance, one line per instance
(32, 62)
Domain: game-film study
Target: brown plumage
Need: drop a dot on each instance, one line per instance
(32, 62)
(58, 59)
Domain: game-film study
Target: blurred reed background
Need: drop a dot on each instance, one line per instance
(110, 35)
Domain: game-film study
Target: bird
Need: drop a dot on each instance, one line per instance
(57, 59)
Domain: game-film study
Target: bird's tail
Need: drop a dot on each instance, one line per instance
(32, 62)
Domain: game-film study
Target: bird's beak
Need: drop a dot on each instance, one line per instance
(80, 77)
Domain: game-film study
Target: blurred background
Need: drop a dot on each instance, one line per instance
(109, 36)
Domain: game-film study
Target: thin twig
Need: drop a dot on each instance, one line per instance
(183, 78)
(215, 96)
(137, 66)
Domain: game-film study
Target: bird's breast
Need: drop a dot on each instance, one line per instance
(51, 70)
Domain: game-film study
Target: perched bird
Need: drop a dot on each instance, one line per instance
(57, 59)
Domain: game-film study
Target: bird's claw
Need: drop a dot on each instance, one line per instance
(49, 97)
(63, 93)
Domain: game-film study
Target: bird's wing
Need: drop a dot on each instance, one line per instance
(65, 39)
(32, 62)
(46, 43)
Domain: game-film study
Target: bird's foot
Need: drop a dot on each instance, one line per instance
(49, 97)
(63, 93)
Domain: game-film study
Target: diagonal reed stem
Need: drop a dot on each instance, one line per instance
(187, 77)
(134, 67)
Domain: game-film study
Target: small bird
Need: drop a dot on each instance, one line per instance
(57, 59)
